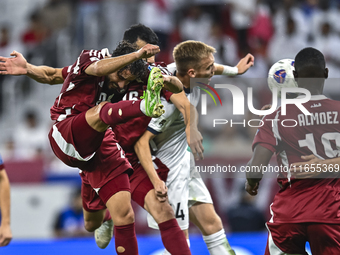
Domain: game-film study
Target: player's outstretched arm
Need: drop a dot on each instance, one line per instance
(17, 65)
(242, 66)
(107, 66)
(261, 157)
(143, 152)
(172, 83)
(194, 137)
(5, 230)
(313, 167)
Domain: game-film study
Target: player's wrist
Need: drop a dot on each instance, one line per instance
(253, 182)
(28, 69)
(230, 70)
(5, 222)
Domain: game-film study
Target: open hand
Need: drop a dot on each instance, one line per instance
(245, 63)
(13, 66)
(195, 141)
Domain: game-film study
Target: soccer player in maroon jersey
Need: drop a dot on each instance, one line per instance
(304, 209)
(81, 138)
(127, 135)
(5, 204)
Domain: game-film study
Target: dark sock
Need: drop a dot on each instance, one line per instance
(173, 238)
(121, 112)
(125, 240)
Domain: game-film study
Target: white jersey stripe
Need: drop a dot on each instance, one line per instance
(66, 147)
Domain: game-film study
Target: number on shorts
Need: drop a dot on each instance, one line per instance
(178, 210)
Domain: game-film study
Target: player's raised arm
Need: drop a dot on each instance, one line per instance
(254, 173)
(110, 65)
(242, 66)
(17, 65)
(143, 152)
(172, 83)
(5, 230)
(190, 115)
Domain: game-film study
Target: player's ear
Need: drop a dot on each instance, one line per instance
(326, 73)
(191, 72)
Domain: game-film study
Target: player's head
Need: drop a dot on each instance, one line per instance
(140, 35)
(195, 59)
(136, 69)
(310, 69)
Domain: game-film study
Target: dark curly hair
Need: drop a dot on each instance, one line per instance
(139, 31)
(137, 68)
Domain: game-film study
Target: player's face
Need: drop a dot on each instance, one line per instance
(119, 80)
(140, 44)
(207, 68)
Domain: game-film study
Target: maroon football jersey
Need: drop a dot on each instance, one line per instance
(128, 133)
(80, 91)
(307, 200)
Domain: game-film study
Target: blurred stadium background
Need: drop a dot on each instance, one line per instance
(53, 32)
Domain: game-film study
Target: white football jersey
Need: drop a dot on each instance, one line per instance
(170, 144)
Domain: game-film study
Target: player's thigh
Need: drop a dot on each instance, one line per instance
(73, 141)
(324, 238)
(116, 194)
(141, 184)
(286, 239)
(178, 193)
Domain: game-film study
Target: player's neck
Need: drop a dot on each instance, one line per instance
(185, 80)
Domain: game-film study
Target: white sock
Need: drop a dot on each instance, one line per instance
(142, 106)
(165, 252)
(218, 244)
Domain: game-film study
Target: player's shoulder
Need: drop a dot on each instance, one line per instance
(95, 54)
(172, 67)
(162, 66)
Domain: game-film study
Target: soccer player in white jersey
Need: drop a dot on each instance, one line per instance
(188, 196)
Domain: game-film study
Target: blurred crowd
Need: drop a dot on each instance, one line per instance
(53, 32)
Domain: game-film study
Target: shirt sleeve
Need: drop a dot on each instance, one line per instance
(65, 71)
(172, 68)
(265, 135)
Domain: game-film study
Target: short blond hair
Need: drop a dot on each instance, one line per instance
(189, 54)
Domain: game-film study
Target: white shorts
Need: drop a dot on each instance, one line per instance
(198, 192)
(183, 192)
(178, 193)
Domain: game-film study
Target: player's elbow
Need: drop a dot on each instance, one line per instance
(138, 146)
(95, 70)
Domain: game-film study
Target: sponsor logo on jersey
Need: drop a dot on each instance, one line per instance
(161, 124)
